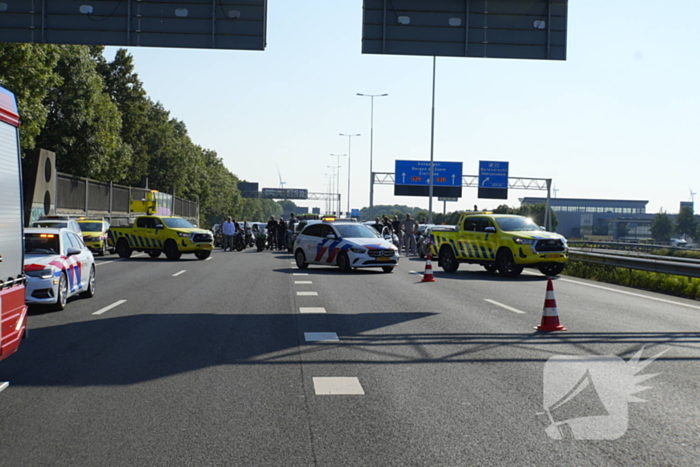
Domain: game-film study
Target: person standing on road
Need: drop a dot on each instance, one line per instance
(396, 225)
(410, 227)
(228, 230)
(272, 233)
(281, 234)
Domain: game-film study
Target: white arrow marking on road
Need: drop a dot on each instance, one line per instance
(178, 273)
(514, 310)
(107, 308)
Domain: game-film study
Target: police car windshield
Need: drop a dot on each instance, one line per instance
(513, 224)
(356, 231)
(177, 223)
(35, 243)
(90, 226)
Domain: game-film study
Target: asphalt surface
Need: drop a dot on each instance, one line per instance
(212, 367)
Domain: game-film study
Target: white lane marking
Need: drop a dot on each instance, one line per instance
(307, 294)
(208, 259)
(320, 336)
(300, 274)
(178, 273)
(303, 282)
(414, 272)
(631, 293)
(514, 310)
(4, 385)
(107, 308)
(312, 309)
(332, 386)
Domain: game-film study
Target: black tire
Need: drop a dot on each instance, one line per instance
(421, 253)
(300, 258)
(552, 269)
(103, 250)
(171, 251)
(62, 294)
(202, 254)
(491, 268)
(343, 262)
(123, 248)
(388, 269)
(447, 259)
(154, 253)
(90, 291)
(506, 264)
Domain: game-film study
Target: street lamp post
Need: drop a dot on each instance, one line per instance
(349, 152)
(337, 184)
(333, 187)
(371, 147)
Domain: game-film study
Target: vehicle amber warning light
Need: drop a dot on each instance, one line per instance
(46, 235)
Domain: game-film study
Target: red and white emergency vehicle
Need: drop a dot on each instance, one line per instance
(13, 310)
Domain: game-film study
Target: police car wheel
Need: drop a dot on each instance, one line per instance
(300, 258)
(61, 293)
(90, 291)
(343, 262)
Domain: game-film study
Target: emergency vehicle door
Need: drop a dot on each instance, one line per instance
(468, 238)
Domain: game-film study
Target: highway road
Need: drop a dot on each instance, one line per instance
(244, 360)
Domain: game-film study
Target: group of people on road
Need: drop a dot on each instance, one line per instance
(230, 229)
(277, 232)
(405, 230)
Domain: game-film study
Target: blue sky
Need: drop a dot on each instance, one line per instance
(618, 119)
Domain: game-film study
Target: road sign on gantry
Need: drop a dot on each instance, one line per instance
(493, 179)
(220, 24)
(412, 178)
(525, 29)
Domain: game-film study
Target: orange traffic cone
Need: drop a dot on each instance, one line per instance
(428, 274)
(550, 317)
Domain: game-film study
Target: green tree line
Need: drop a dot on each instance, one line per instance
(97, 117)
(663, 227)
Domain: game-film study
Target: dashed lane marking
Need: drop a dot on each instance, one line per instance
(303, 282)
(208, 259)
(107, 308)
(514, 310)
(178, 273)
(320, 336)
(300, 274)
(100, 263)
(312, 310)
(338, 386)
(307, 294)
(4, 385)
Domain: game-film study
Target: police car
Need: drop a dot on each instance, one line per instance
(347, 245)
(58, 265)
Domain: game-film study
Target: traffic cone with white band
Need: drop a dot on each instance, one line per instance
(428, 274)
(550, 317)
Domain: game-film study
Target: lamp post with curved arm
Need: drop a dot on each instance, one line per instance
(337, 183)
(371, 147)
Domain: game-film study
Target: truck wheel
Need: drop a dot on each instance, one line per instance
(506, 264)
(552, 269)
(491, 268)
(61, 293)
(90, 291)
(171, 251)
(447, 260)
(123, 248)
(202, 254)
(154, 253)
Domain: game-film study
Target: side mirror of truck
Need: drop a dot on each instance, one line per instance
(159, 226)
(490, 230)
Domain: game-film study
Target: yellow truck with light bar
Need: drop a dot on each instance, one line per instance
(501, 243)
(154, 235)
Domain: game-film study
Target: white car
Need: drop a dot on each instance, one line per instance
(58, 265)
(347, 245)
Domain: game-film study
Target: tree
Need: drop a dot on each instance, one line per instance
(83, 123)
(28, 71)
(661, 227)
(686, 223)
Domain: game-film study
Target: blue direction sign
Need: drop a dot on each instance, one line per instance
(418, 173)
(493, 174)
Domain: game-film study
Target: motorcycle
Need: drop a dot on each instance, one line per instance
(238, 241)
(260, 241)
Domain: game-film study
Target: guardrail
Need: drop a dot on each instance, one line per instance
(627, 246)
(662, 264)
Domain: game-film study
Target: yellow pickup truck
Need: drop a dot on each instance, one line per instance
(500, 242)
(161, 234)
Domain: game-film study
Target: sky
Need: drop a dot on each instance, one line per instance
(619, 119)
